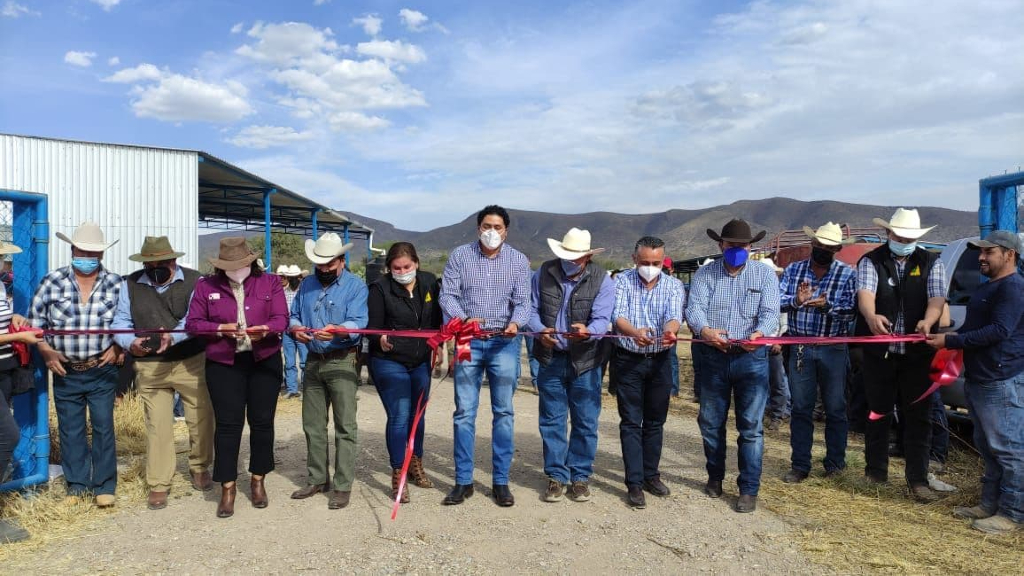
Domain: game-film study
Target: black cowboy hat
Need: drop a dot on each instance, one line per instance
(737, 231)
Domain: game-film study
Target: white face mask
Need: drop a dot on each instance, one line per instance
(648, 273)
(238, 276)
(404, 279)
(490, 239)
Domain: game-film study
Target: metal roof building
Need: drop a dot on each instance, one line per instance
(134, 191)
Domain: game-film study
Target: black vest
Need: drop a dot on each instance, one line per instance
(585, 354)
(390, 307)
(151, 309)
(894, 293)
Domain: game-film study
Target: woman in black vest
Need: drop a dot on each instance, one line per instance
(405, 298)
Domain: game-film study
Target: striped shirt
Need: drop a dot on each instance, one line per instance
(58, 306)
(645, 308)
(5, 323)
(838, 286)
(867, 279)
(496, 289)
(740, 305)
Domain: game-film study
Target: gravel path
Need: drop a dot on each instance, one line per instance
(683, 533)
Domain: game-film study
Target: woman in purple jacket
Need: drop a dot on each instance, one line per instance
(241, 312)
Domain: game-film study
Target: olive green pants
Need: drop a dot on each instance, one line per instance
(330, 385)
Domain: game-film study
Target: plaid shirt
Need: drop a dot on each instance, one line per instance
(838, 286)
(867, 279)
(645, 308)
(495, 289)
(58, 306)
(740, 304)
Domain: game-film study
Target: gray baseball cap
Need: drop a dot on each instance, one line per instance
(1001, 238)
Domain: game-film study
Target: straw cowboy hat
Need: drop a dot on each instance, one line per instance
(574, 245)
(6, 248)
(904, 223)
(326, 248)
(737, 231)
(87, 237)
(234, 254)
(829, 234)
(154, 249)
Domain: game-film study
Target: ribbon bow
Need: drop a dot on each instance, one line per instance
(462, 333)
(945, 369)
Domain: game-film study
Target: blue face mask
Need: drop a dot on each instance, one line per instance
(85, 265)
(736, 257)
(901, 249)
(571, 268)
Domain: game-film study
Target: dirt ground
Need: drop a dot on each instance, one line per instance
(686, 532)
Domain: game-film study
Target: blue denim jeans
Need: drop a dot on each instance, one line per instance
(534, 363)
(87, 469)
(813, 368)
(290, 346)
(780, 400)
(498, 358)
(745, 378)
(940, 429)
(400, 389)
(642, 394)
(563, 395)
(696, 353)
(997, 410)
(673, 356)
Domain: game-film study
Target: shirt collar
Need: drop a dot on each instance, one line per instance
(178, 275)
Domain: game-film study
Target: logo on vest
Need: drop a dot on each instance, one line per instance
(892, 282)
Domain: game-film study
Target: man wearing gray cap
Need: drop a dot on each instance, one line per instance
(992, 339)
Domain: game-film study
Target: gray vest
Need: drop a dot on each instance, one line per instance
(150, 310)
(586, 354)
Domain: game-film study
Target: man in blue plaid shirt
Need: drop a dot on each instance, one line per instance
(82, 296)
(733, 299)
(818, 294)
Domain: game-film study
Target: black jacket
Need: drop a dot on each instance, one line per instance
(391, 307)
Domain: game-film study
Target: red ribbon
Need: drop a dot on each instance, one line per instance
(20, 348)
(462, 333)
(421, 407)
(946, 367)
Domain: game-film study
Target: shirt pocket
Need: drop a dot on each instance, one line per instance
(106, 308)
(750, 303)
(62, 309)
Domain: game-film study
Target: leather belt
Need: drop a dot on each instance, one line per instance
(646, 355)
(84, 365)
(332, 355)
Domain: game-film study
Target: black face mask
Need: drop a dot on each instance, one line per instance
(326, 276)
(159, 275)
(821, 256)
(293, 283)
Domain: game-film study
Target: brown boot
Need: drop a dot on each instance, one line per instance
(258, 492)
(157, 500)
(226, 508)
(396, 477)
(417, 475)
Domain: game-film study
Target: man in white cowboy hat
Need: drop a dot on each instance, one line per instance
(648, 311)
(818, 296)
(900, 290)
(157, 297)
(291, 276)
(327, 303)
(81, 297)
(731, 300)
(572, 301)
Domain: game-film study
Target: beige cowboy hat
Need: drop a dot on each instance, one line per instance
(234, 254)
(88, 237)
(904, 223)
(290, 270)
(326, 248)
(154, 249)
(6, 248)
(829, 234)
(575, 245)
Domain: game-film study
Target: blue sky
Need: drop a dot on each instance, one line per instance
(419, 114)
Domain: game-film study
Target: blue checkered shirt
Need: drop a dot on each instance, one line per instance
(867, 279)
(838, 286)
(645, 308)
(57, 306)
(741, 304)
(495, 289)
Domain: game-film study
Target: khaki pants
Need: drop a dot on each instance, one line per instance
(330, 386)
(157, 381)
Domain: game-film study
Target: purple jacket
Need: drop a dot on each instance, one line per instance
(213, 303)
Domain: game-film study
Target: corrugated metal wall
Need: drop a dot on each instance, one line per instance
(131, 192)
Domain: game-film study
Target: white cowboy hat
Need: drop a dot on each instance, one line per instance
(291, 270)
(904, 223)
(771, 264)
(829, 234)
(88, 237)
(705, 262)
(326, 248)
(281, 269)
(575, 245)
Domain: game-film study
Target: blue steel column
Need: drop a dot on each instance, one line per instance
(266, 227)
(314, 212)
(345, 230)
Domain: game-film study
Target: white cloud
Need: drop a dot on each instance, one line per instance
(113, 61)
(83, 59)
(346, 121)
(237, 28)
(107, 5)
(12, 9)
(320, 2)
(392, 50)
(132, 75)
(288, 44)
(172, 97)
(371, 24)
(260, 137)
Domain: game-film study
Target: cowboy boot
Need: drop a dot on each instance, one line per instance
(396, 477)
(416, 473)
